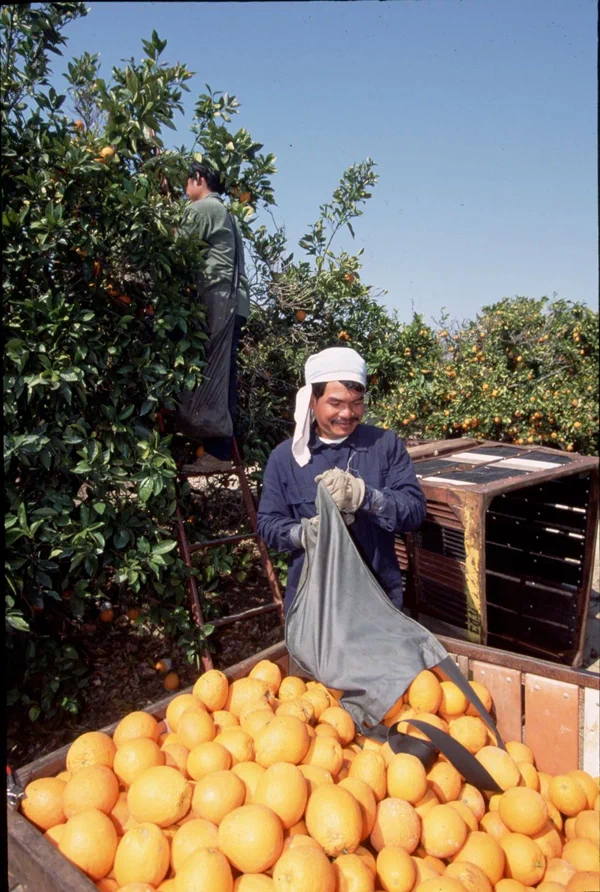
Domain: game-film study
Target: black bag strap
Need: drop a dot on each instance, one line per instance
(453, 672)
(237, 251)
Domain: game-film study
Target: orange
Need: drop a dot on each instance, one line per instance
(246, 690)
(195, 726)
(314, 776)
(301, 708)
(251, 838)
(304, 869)
(319, 698)
(555, 815)
(324, 752)
(492, 823)
(352, 874)
(299, 839)
(425, 804)
(550, 887)
(176, 755)
(167, 737)
(119, 814)
(469, 731)
(525, 860)
(454, 702)
(341, 720)
(333, 817)
(212, 689)
(89, 841)
(523, 810)
(134, 756)
(427, 717)
(136, 724)
(142, 856)
(545, 781)
(299, 828)
(284, 790)
(206, 758)
(406, 778)
(587, 826)
(238, 743)
(93, 787)
(558, 871)
(582, 854)
(268, 672)
(443, 832)
(549, 840)
(441, 884)
(54, 834)
(195, 834)
(291, 688)
(107, 885)
(327, 731)
(285, 739)
(567, 794)
(396, 824)
(465, 812)
(171, 681)
(369, 766)
(508, 885)
(588, 783)
(483, 694)
(445, 781)
(159, 795)
(253, 882)
(206, 870)
(529, 775)
(484, 851)
(472, 797)
(472, 877)
(424, 870)
(368, 858)
(394, 709)
(500, 765)
(256, 720)
(91, 748)
(66, 775)
(250, 773)
(178, 706)
(43, 803)
(217, 794)
(365, 797)
(584, 881)
(396, 871)
(520, 752)
(569, 828)
(424, 694)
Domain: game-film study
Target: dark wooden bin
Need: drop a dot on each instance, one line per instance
(528, 695)
(505, 556)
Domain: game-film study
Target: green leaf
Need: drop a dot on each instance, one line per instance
(164, 547)
(34, 713)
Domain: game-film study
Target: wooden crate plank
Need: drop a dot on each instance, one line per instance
(552, 723)
(505, 687)
(591, 731)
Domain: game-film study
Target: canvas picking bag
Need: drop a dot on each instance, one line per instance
(343, 630)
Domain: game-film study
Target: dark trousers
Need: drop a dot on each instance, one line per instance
(221, 447)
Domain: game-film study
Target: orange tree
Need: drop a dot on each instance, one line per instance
(523, 371)
(97, 273)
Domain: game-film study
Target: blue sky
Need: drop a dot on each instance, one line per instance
(481, 117)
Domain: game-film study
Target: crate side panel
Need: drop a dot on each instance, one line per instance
(591, 731)
(505, 687)
(552, 723)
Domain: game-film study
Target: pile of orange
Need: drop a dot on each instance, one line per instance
(264, 784)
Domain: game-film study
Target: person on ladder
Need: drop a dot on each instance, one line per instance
(223, 272)
(366, 469)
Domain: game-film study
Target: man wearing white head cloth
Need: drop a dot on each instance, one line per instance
(366, 469)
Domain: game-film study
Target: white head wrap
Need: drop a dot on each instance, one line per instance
(334, 364)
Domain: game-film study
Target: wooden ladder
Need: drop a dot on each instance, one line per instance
(186, 550)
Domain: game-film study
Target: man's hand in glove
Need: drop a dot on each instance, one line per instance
(346, 490)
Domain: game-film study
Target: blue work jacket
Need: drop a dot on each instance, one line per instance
(374, 454)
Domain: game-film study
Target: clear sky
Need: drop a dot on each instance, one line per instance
(480, 114)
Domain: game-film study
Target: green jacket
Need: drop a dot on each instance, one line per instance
(208, 218)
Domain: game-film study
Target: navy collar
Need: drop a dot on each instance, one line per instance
(355, 440)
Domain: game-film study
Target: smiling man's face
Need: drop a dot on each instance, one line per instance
(339, 411)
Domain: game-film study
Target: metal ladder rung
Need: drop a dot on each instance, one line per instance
(246, 614)
(229, 471)
(199, 546)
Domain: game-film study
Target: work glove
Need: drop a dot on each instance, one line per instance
(297, 535)
(346, 490)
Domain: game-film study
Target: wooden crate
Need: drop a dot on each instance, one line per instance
(505, 556)
(552, 708)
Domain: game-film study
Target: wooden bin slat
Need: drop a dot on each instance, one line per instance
(552, 723)
(505, 687)
(591, 731)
